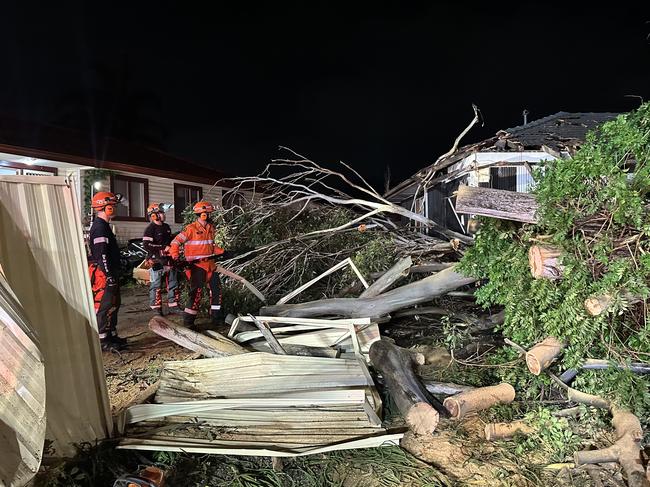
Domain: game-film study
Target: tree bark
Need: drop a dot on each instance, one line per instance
(478, 399)
(401, 297)
(500, 431)
(544, 262)
(414, 403)
(497, 203)
(192, 340)
(542, 355)
(399, 270)
(430, 267)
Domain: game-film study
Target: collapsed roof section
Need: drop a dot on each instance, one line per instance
(558, 135)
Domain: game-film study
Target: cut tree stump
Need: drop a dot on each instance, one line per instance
(479, 399)
(401, 297)
(542, 355)
(597, 305)
(420, 411)
(192, 340)
(544, 262)
(497, 203)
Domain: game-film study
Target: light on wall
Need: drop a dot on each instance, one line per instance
(97, 185)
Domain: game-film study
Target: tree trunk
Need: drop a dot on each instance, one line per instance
(544, 262)
(497, 203)
(401, 297)
(479, 399)
(411, 398)
(430, 267)
(396, 272)
(192, 340)
(542, 355)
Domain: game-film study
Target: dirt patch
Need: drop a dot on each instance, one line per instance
(129, 373)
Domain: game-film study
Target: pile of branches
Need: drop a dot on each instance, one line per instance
(301, 218)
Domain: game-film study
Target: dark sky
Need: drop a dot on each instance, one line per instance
(371, 85)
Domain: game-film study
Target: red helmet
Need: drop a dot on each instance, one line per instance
(203, 207)
(103, 199)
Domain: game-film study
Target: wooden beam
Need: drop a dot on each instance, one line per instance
(268, 336)
(497, 203)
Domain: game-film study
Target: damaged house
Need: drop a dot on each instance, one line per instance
(504, 161)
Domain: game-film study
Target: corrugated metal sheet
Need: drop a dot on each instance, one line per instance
(44, 261)
(22, 394)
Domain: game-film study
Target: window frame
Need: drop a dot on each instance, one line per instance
(132, 179)
(178, 212)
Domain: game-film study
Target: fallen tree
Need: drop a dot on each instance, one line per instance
(401, 297)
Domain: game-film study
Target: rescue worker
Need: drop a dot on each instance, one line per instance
(197, 240)
(104, 270)
(156, 240)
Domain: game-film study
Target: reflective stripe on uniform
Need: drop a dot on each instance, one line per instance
(148, 238)
(156, 307)
(199, 242)
(215, 306)
(172, 305)
(97, 240)
(181, 237)
(103, 335)
(190, 311)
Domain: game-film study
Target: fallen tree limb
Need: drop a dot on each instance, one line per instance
(581, 397)
(401, 297)
(430, 267)
(237, 277)
(497, 203)
(501, 431)
(542, 355)
(420, 411)
(479, 399)
(399, 270)
(626, 450)
(218, 346)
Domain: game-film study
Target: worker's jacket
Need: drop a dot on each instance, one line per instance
(197, 240)
(104, 249)
(155, 239)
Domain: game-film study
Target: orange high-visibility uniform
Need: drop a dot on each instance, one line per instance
(197, 240)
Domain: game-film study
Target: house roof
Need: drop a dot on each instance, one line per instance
(56, 143)
(556, 134)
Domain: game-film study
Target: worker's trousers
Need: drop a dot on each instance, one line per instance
(163, 276)
(107, 302)
(198, 277)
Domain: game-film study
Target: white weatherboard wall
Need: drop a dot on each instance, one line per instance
(43, 258)
(161, 190)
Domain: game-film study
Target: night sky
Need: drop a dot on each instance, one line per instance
(370, 85)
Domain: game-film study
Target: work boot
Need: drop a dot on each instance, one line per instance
(158, 311)
(174, 310)
(188, 320)
(113, 344)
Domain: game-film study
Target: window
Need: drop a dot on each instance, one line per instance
(185, 195)
(135, 195)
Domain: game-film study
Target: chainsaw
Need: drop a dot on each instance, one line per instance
(184, 264)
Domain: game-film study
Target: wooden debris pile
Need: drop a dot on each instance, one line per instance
(260, 404)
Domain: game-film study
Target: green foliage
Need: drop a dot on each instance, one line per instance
(594, 207)
(552, 438)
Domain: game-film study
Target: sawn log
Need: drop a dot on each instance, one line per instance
(420, 410)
